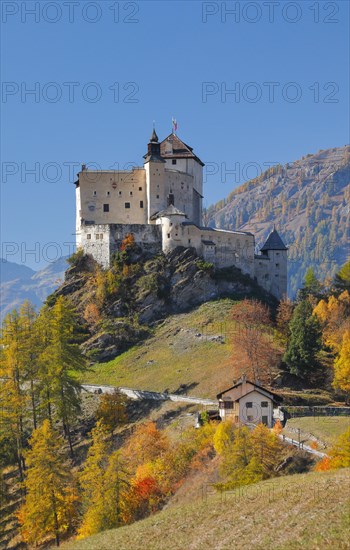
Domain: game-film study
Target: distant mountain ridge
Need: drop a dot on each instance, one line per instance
(19, 283)
(308, 201)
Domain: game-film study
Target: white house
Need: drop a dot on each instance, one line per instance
(248, 403)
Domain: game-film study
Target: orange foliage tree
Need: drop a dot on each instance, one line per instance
(252, 340)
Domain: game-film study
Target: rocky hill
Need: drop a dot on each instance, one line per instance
(19, 282)
(120, 307)
(308, 200)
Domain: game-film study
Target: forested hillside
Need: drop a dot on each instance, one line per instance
(308, 200)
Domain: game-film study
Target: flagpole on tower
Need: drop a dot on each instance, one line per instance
(174, 125)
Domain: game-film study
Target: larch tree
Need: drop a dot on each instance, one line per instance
(12, 394)
(61, 360)
(342, 365)
(94, 485)
(112, 410)
(30, 353)
(49, 509)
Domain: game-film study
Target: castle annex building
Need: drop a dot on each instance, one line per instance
(161, 205)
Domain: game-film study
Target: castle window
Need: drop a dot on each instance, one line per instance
(127, 205)
(95, 193)
(130, 193)
(97, 236)
(171, 224)
(276, 275)
(88, 236)
(189, 241)
(277, 265)
(101, 236)
(141, 204)
(108, 193)
(168, 235)
(173, 161)
(157, 196)
(120, 193)
(140, 188)
(106, 207)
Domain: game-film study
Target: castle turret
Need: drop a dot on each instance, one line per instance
(172, 230)
(271, 265)
(155, 178)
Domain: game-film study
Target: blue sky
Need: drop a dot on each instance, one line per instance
(165, 59)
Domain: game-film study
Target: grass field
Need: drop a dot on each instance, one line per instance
(192, 349)
(301, 511)
(324, 428)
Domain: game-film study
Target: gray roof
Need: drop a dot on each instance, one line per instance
(170, 211)
(208, 243)
(274, 242)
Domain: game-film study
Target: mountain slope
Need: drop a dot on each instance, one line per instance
(299, 511)
(308, 200)
(19, 283)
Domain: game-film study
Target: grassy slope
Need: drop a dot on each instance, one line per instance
(302, 511)
(176, 355)
(326, 429)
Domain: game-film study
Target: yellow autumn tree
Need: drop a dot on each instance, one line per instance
(224, 437)
(342, 365)
(93, 484)
(49, 508)
(334, 316)
(339, 455)
(105, 483)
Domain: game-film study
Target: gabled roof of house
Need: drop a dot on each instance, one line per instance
(257, 387)
(180, 149)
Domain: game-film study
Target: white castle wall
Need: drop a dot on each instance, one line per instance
(229, 247)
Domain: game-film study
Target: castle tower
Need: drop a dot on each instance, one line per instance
(172, 230)
(275, 276)
(155, 178)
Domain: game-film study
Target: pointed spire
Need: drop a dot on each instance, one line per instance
(154, 137)
(273, 242)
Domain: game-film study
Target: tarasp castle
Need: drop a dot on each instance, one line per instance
(160, 204)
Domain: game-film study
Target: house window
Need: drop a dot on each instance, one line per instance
(101, 236)
(97, 236)
(88, 236)
(249, 418)
(249, 404)
(264, 404)
(106, 207)
(228, 404)
(173, 161)
(127, 205)
(140, 188)
(264, 420)
(141, 204)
